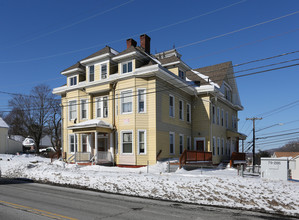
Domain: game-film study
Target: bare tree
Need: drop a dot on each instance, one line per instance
(33, 113)
(54, 125)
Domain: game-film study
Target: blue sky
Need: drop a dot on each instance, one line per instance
(39, 39)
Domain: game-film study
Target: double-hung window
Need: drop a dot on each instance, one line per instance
(222, 147)
(218, 146)
(218, 116)
(126, 101)
(91, 73)
(141, 100)
(213, 114)
(214, 146)
(102, 107)
(84, 107)
(188, 113)
(189, 143)
(181, 143)
(72, 110)
(73, 143)
(181, 110)
(104, 71)
(222, 117)
(127, 67)
(142, 141)
(73, 81)
(84, 141)
(171, 143)
(226, 119)
(127, 140)
(171, 106)
(181, 74)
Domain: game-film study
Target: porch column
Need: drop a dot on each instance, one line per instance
(96, 145)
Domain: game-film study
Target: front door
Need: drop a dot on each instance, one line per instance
(200, 146)
(102, 143)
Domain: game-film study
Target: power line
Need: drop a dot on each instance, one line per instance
(119, 40)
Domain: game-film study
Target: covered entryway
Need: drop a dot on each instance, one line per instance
(200, 145)
(94, 145)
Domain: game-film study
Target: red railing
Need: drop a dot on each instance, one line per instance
(194, 156)
(237, 156)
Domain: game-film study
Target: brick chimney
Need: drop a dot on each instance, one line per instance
(131, 42)
(145, 43)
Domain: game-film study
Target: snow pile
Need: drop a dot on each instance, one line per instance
(208, 187)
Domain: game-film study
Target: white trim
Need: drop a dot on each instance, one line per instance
(121, 142)
(121, 104)
(72, 77)
(173, 133)
(126, 62)
(182, 119)
(86, 109)
(124, 55)
(75, 143)
(69, 119)
(169, 64)
(100, 65)
(173, 109)
(200, 139)
(100, 100)
(190, 117)
(88, 73)
(87, 143)
(181, 135)
(95, 58)
(145, 96)
(145, 141)
(72, 70)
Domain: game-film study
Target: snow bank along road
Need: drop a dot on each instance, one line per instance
(21, 200)
(205, 187)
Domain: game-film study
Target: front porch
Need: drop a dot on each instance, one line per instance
(94, 143)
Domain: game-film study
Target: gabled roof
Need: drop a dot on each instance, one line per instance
(171, 59)
(75, 66)
(105, 50)
(3, 124)
(217, 73)
(286, 154)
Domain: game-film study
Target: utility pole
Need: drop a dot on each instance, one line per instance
(253, 140)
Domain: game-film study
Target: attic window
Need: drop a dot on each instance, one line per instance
(73, 81)
(182, 74)
(127, 67)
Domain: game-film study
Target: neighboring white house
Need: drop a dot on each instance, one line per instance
(294, 165)
(7, 145)
(275, 168)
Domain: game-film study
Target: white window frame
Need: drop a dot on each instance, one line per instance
(138, 101)
(75, 143)
(145, 141)
(121, 141)
(103, 64)
(88, 149)
(93, 73)
(121, 103)
(127, 62)
(213, 114)
(173, 107)
(81, 109)
(222, 118)
(218, 146)
(214, 146)
(69, 109)
(100, 102)
(71, 79)
(173, 135)
(181, 146)
(188, 111)
(226, 119)
(218, 116)
(183, 76)
(181, 111)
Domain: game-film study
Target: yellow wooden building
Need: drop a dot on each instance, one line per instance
(133, 107)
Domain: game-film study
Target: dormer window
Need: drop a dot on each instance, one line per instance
(228, 94)
(182, 74)
(127, 67)
(104, 71)
(91, 73)
(73, 81)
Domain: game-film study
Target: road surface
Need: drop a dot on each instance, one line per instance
(21, 199)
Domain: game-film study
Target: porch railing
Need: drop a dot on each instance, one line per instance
(195, 156)
(104, 157)
(83, 156)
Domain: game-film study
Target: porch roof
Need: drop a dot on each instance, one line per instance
(94, 123)
(230, 133)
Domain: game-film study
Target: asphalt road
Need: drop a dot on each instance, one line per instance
(24, 200)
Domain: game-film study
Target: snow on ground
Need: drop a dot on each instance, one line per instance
(201, 186)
